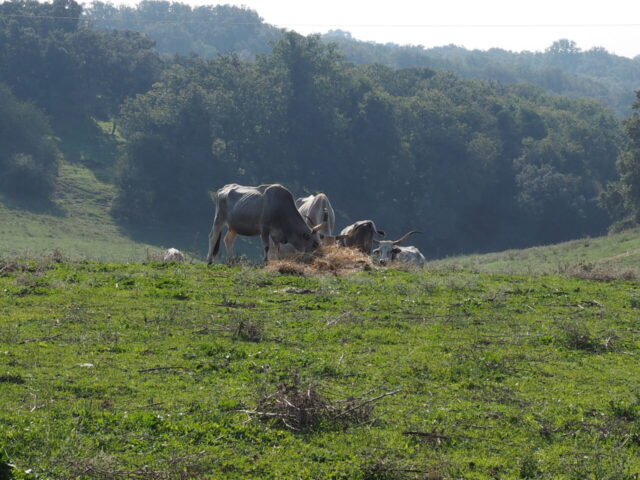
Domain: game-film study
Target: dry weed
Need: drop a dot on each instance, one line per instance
(304, 408)
(600, 272)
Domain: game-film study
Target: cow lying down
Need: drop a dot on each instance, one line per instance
(390, 251)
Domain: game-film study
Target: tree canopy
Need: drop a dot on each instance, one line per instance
(478, 166)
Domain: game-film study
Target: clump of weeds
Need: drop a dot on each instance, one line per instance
(304, 407)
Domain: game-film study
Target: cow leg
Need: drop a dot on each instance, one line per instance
(229, 238)
(214, 240)
(264, 236)
(276, 251)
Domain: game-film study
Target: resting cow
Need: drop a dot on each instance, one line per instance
(173, 255)
(391, 251)
(266, 210)
(359, 235)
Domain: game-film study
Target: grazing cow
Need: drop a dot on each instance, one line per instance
(391, 251)
(359, 235)
(266, 210)
(316, 209)
(173, 255)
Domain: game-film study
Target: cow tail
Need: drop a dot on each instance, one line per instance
(216, 247)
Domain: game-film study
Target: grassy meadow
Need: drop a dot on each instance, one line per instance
(613, 255)
(76, 221)
(157, 371)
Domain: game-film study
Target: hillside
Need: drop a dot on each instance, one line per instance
(616, 254)
(76, 222)
(186, 371)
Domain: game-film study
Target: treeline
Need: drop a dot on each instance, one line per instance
(563, 68)
(473, 165)
(206, 30)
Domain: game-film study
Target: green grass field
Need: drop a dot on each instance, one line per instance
(619, 251)
(77, 222)
(154, 371)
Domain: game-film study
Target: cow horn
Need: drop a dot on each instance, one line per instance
(404, 237)
(309, 221)
(317, 227)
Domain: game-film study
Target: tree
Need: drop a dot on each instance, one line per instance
(629, 164)
(28, 154)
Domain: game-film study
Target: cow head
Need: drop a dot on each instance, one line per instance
(389, 249)
(308, 239)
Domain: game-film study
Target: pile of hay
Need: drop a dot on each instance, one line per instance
(328, 259)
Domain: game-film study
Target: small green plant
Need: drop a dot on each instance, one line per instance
(578, 337)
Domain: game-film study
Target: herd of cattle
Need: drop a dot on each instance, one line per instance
(286, 226)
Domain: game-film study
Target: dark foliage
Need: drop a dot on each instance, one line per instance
(48, 56)
(623, 197)
(28, 153)
(478, 166)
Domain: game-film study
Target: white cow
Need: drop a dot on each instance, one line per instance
(173, 255)
(391, 251)
(317, 209)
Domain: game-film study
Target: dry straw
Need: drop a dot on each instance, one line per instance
(330, 259)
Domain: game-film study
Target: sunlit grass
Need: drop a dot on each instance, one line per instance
(185, 371)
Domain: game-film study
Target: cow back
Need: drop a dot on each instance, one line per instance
(314, 207)
(242, 208)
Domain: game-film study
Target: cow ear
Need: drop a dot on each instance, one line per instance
(396, 250)
(376, 251)
(380, 232)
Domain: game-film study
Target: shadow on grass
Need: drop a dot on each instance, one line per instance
(84, 142)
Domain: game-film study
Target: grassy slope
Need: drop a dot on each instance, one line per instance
(141, 371)
(615, 251)
(77, 222)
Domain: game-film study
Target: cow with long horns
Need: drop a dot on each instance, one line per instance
(392, 251)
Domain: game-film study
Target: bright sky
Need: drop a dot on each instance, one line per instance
(509, 24)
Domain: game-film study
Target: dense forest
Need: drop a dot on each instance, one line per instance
(562, 68)
(476, 165)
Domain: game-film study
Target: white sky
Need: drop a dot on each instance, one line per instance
(509, 24)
